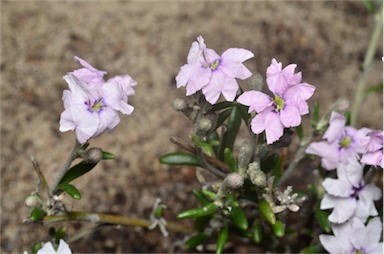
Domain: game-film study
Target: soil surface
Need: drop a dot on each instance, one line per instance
(150, 40)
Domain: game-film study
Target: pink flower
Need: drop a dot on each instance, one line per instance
(349, 195)
(374, 149)
(91, 104)
(213, 74)
(354, 237)
(341, 143)
(287, 106)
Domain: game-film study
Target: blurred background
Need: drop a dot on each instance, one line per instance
(150, 40)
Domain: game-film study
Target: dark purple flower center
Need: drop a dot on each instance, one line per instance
(356, 190)
(96, 105)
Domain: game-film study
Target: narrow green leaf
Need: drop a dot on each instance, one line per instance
(36, 247)
(207, 148)
(229, 135)
(239, 218)
(257, 233)
(244, 113)
(374, 89)
(315, 248)
(77, 171)
(195, 241)
(278, 169)
(315, 117)
(322, 218)
(70, 189)
(107, 156)
(347, 115)
(300, 132)
(369, 5)
(266, 211)
(179, 158)
(37, 214)
(230, 160)
(279, 228)
(60, 233)
(201, 197)
(222, 240)
(197, 212)
(222, 117)
(222, 105)
(269, 163)
(209, 194)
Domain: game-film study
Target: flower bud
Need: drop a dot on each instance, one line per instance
(93, 155)
(204, 125)
(234, 181)
(180, 104)
(258, 178)
(32, 201)
(245, 155)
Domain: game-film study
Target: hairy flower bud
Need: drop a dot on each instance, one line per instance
(180, 104)
(234, 181)
(93, 155)
(204, 125)
(257, 176)
(32, 201)
(245, 156)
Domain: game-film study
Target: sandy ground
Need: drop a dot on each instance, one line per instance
(149, 40)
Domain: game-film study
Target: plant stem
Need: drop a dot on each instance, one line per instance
(298, 157)
(110, 219)
(42, 179)
(73, 155)
(368, 58)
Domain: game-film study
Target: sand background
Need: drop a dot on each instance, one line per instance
(149, 40)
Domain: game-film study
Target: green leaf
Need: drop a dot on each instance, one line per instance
(315, 117)
(207, 148)
(229, 135)
(278, 169)
(70, 189)
(322, 218)
(266, 211)
(197, 212)
(107, 156)
(222, 105)
(239, 218)
(244, 113)
(370, 5)
(201, 197)
(222, 240)
(195, 241)
(374, 89)
(77, 171)
(278, 228)
(209, 194)
(315, 248)
(300, 132)
(37, 214)
(230, 160)
(60, 234)
(347, 115)
(269, 163)
(36, 247)
(179, 158)
(257, 233)
(222, 117)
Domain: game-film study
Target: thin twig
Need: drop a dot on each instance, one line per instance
(179, 142)
(110, 219)
(42, 179)
(208, 166)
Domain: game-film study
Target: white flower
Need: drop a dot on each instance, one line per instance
(48, 248)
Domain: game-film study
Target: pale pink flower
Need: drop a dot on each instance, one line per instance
(354, 237)
(47, 248)
(287, 106)
(340, 143)
(348, 195)
(213, 74)
(92, 105)
(374, 149)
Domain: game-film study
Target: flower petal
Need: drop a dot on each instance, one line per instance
(63, 248)
(231, 63)
(343, 210)
(290, 116)
(257, 101)
(274, 128)
(338, 187)
(336, 127)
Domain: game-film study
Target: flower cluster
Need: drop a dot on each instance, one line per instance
(342, 142)
(354, 237)
(213, 74)
(286, 107)
(92, 104)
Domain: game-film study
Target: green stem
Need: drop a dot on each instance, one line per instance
(369, 55)
(110, 219)
(298, 157)
(66, 166)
